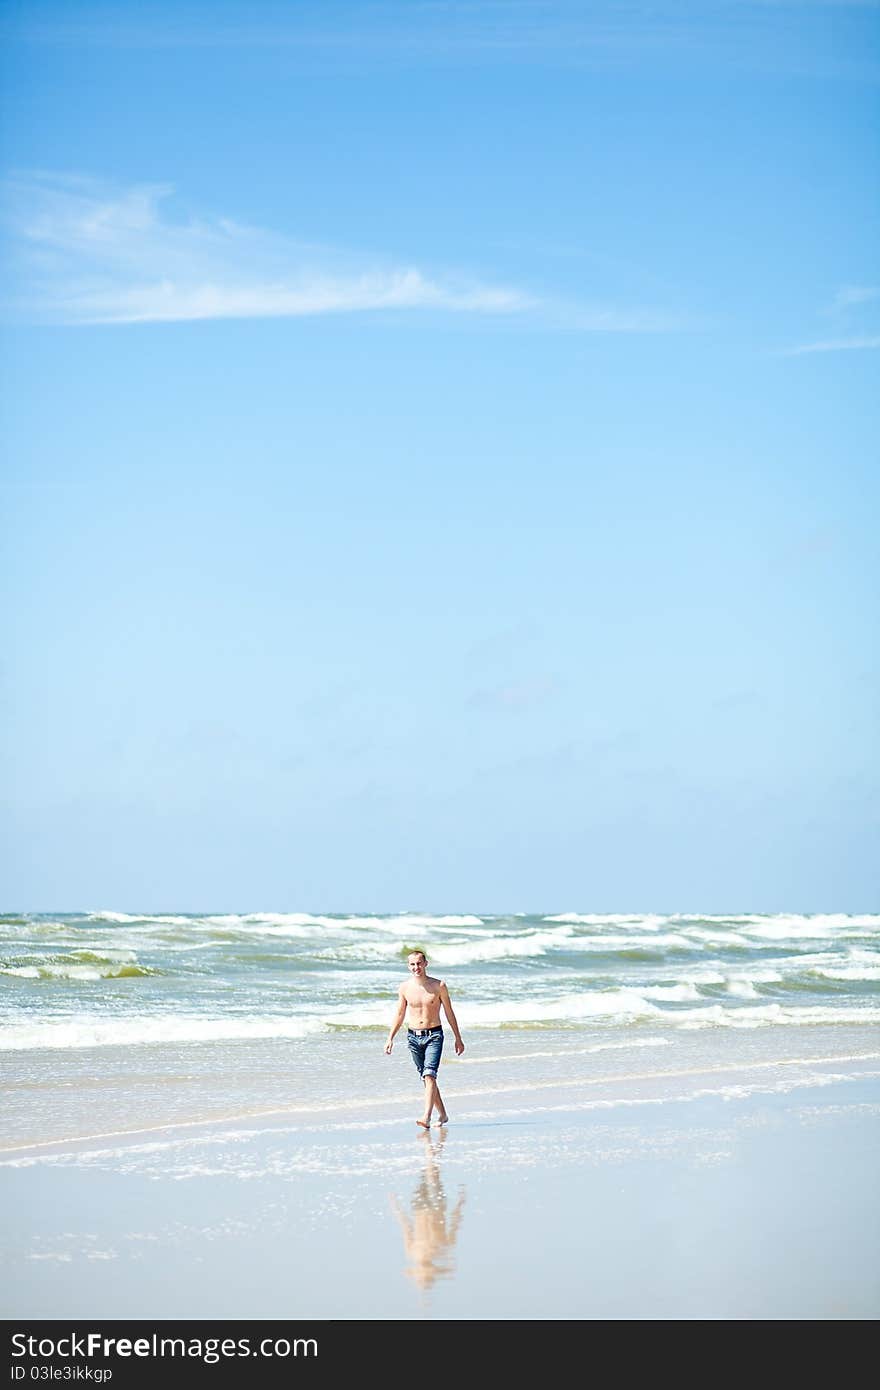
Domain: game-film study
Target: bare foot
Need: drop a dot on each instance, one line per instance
(443, 1119)
(425, 1124)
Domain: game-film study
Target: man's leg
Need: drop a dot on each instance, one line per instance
(416, 1051)
(434, 1100)
(431, 1094)
(439, 1104)
(432, 1054)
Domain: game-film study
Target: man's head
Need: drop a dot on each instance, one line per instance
(417, 962)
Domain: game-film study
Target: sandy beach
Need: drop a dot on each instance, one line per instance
(573, 1182)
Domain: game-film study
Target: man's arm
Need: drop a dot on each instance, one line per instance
(398, 1018)
(453, 1021)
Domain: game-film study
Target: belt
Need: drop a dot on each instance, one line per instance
(424, 1032)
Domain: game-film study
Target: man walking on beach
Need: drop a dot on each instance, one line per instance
(419, 1000)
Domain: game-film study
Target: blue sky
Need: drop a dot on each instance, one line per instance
(440, 456)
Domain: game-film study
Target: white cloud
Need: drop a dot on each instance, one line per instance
(835, 345)
(309, 293)
(843, 311)
(855, 294)
(93, 256)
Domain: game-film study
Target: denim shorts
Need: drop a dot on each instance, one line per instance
(425, 1049)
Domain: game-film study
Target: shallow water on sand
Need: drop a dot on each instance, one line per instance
(735, 1180)
(750, 1206)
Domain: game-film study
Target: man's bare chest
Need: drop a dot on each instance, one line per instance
(421, 995)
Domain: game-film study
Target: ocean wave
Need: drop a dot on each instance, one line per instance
(414, 920)
(848, 972)
(366, 951)
(76, 955)
(620, 1003)
(841, 919)
(743, 984)
(742, 989)
(744, 979)
(276, 923)
(627, 1005)
(832, 924)
(129, 919)
(790, 929)
(673, 994)
(90, 1031)
(776, 924)
(393, 921)
(498, 948)
(710, 936)
(449, 953)
(647, 922)
(716, 1015)
(289, 931)
(650, 945)
(78, 972)
(98, 955)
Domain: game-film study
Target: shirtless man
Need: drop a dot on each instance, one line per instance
(422, 996)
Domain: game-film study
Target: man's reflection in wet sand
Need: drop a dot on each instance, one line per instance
(429, 1235)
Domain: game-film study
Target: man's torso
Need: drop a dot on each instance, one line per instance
(423, 1002)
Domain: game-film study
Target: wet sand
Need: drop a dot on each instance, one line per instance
(669, 1196)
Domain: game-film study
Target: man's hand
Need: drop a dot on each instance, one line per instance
(388, 1047)
(459, 1047)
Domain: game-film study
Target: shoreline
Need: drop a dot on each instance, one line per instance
(83, 1095)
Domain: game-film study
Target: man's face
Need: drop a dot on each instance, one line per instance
(416, 965)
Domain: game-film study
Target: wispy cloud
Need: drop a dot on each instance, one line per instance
(834, 345)
(844, 308)
(851, 295)
(90, 255)
(86, 254)
(516, 696)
